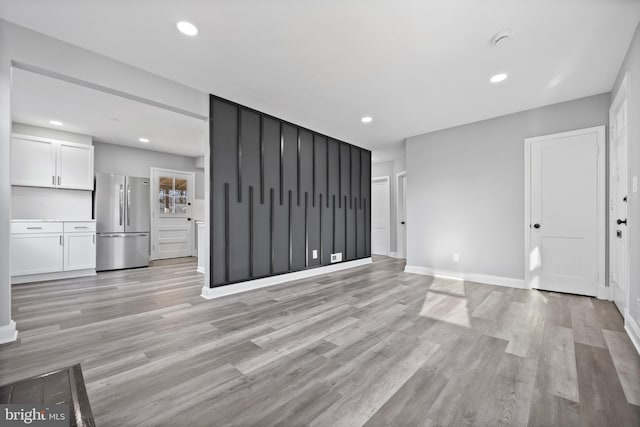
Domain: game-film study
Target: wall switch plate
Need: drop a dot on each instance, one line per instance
(456, 257)
(337, 257)
(634, 184)
(314, 254)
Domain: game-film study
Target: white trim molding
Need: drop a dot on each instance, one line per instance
(487, 279)
(58, 275)
(633, 330)
(221, 291)
(8, 333)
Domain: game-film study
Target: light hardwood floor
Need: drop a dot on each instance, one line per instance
(370, 346)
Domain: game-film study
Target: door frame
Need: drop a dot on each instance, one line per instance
(402, 252)
(387, 180)
(153, 220)
(603, 291)
(620, 96)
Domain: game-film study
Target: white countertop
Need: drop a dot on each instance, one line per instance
(53, 220)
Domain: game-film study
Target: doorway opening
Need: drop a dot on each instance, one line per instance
(380, 215)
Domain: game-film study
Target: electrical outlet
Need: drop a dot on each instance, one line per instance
(456, 257)
(314, 254)
(337, 257)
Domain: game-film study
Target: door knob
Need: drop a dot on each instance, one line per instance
(402, 222)
(622, 221)
(188, 219)
(536, 225)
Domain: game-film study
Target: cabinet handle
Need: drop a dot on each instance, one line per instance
(53, 180)
(61, 243)
(34, 228)
(58, 180)
(94, 239)
(81, 228)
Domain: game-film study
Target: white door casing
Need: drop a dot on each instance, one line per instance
(171, 228)
(380, 215)
(618, 192)
(401, 213)
(564, 212)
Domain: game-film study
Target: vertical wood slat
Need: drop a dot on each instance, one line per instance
(239, 153)
(251, 231)
(306, 229)
(346, 252)
(261, 159)
(333, 224)
(298, 166)
(321, 207)
(281, 165)
(339, 176)
(226, 232)
(327, 165)
(313, 168)
(271, 202)
(355, 221)
(290, 232)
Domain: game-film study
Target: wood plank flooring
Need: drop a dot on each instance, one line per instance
(370, 346)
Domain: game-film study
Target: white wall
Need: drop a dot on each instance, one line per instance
(632, 65)
(466, 188)
(32, 48)
(119, 159)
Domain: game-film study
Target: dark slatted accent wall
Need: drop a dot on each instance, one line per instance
(279, 192)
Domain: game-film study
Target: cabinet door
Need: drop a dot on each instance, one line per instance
(36, 253)
(75, 166)
(79, 251)
(33, 162)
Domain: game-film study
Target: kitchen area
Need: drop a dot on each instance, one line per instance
(100, 182)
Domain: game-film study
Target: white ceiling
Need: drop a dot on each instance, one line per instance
(414, 65)
(37, 99)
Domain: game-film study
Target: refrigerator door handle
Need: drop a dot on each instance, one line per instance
(121, 203)
(128, 205)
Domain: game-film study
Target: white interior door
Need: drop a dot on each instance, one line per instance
(171, 210)
(566, 212)
(618, 191)
(380, 216)
(402, 215)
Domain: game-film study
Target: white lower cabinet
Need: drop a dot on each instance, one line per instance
(36, 253)
(79, 251)
(52, 247)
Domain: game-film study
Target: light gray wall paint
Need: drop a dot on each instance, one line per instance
(119, 159)
(632, 66)
(466, 187)
(20, 44)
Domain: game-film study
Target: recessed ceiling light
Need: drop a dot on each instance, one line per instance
(366, 119)
(55, 122)
(187, 28)
(498, 78)
(143, 139)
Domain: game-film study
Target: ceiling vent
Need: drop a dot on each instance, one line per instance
(501, 37)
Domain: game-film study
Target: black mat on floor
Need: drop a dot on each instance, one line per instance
(63, 386)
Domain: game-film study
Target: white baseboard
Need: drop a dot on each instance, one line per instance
(471, 277)
(396, 255)
(52, 276)
(633, 330)
(200, 269)
(8, 333)
(221, 291)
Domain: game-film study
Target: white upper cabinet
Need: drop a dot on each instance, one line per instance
(75, 166)
(44, 162)
(33, 162)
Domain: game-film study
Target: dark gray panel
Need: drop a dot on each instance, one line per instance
(250, 146)
(345, 172)
(320, 168)
(223, 168)
(268, 179)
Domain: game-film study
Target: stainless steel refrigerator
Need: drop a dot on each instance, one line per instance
(121, 210)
